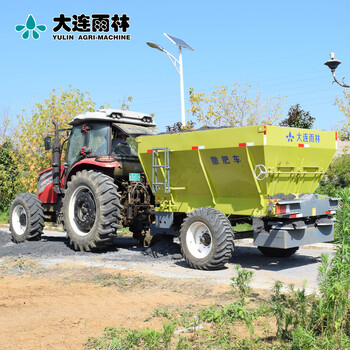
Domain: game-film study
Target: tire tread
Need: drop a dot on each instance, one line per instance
(224, 237)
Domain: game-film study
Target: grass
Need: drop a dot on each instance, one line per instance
(4, 217)
(111, 280)
(214, 327)
(242, 227)
(297, 321)
(123, 231)
(18, 265)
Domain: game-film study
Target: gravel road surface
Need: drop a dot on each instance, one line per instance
(164, 259)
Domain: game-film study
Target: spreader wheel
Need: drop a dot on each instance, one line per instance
(206, 238)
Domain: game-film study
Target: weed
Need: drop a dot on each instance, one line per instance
(109, 280)
(303, 321)
(18, 264)
(162, 312)
(241, 283)
(151, 338)
(183, 344)
(168, 331)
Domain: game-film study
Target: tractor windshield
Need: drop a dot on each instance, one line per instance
(76, 143)
(98, 139)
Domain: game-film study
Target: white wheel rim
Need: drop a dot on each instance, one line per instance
(199, 240)
(71, 208)
(19, 227)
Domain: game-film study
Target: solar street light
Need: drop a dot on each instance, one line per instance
(154, 45)
(177, 64)
(332, 64)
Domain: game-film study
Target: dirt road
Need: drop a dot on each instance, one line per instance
(53, 297)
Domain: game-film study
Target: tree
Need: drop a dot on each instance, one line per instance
(61, 106)
(298, 118)
(9, 174)
(235, 107)
(337, 176)
(344, 106)
(9, 160)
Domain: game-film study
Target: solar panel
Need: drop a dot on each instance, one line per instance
(178, 41)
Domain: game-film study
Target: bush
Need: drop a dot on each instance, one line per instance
(337, 176)
(9, 175)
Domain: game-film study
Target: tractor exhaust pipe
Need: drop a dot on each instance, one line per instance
(56, 160)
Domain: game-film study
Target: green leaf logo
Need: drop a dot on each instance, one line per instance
(30, 27)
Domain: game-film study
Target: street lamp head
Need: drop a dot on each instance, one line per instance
(332, 64)
(154, 45)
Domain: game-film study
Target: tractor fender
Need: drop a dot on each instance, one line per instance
(105, 165)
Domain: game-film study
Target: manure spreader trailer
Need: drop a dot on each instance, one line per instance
(194, 184)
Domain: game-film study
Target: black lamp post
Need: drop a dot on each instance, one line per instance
(332, 64)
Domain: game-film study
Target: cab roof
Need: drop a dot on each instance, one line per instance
(115, 116)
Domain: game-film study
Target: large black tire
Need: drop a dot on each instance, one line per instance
(206, 239)
(91, 210)
(26, 218)
(278, 252)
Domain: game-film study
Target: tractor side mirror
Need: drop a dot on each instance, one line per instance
(47, 141)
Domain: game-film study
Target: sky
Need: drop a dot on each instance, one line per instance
(279, 47)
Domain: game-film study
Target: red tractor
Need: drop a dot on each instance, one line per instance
(99, 188)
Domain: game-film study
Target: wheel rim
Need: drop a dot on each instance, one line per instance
(199, 240)
(19, 220)
(82, 210)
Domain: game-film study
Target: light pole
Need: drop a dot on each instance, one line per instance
(178, 66)
(332, 64)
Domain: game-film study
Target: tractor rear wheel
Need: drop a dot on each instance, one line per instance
(26, 218)
(91, 210)
(206, 239)
(278, 252)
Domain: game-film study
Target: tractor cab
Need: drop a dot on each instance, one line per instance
(107, 135)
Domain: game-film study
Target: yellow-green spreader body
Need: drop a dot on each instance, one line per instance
(234, 170)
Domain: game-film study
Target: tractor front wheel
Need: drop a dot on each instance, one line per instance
(206, 238)
(91, 210)
(26, 218)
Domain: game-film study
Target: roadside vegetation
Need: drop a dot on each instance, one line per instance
(289, 319)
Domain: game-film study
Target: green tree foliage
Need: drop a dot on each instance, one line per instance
(234, 107)
(9, 174)
(61, 106)
(344, 106)
(337, 176)
(9, 160)
(298, 118)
